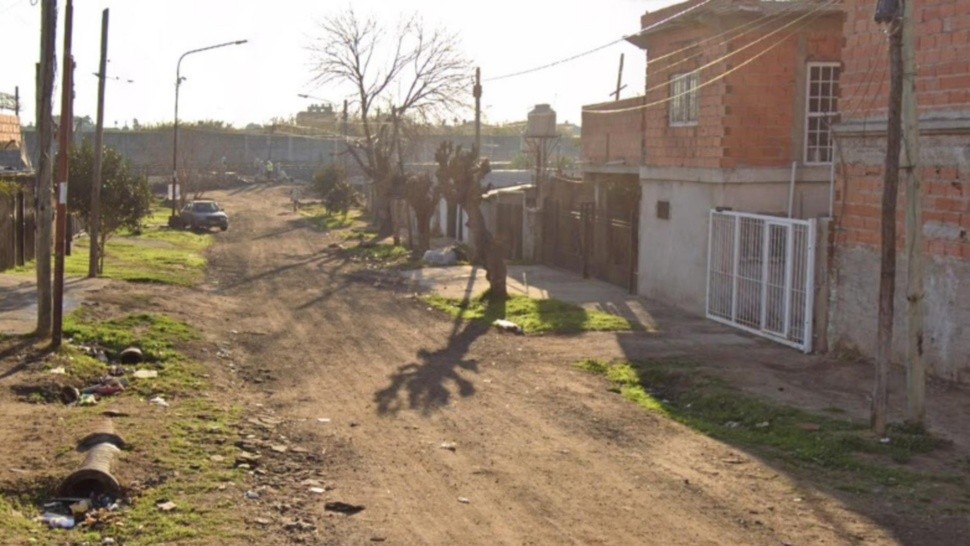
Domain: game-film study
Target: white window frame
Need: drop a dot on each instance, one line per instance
(826, 113)
(683, 99)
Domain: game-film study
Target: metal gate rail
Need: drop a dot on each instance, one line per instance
(760, 275)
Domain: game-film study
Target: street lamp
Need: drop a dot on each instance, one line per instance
(175, 137)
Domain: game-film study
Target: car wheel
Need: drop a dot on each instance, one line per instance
(223, 227)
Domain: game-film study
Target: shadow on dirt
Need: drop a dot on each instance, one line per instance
(426, 381)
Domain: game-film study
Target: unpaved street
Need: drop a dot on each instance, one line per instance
(448, 433)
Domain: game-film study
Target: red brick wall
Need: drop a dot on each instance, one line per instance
(943, 90)
(614, 136)
(750, 118)
(943, 58)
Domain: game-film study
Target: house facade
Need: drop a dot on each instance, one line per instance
(735, 115)
(943, 97)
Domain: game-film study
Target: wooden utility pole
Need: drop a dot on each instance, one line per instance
(343, 132)
(477, 93)
(619, 81)
(63, 162)
(94, 229)
(915, 367)
(45, 164)
(887, 272)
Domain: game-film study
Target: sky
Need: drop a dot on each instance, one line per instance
(260, 80)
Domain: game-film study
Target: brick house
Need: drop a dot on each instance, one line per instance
(943, 96)
(739, 95)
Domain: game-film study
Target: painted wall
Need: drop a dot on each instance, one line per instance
(673, 253)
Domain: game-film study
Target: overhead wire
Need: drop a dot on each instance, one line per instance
(598, 48)
(814, 13)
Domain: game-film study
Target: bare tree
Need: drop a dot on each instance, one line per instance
(460, 175)
(413, 71)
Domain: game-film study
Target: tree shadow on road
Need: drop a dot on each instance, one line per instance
(426, 381)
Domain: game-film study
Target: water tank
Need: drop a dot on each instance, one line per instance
(542, 122)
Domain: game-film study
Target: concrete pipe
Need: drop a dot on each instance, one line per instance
(94, 477)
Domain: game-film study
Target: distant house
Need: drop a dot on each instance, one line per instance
(736, 118)
(943, 96)
(12, 154)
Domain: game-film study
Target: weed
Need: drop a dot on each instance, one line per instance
(154, 334)
(534, 316)
(318, 216)
(794, 436)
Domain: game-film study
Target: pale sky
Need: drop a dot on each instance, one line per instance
(261, 79)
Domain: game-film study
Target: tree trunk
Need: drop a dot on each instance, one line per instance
(488, 252)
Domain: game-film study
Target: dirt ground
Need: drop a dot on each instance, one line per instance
(452, 433)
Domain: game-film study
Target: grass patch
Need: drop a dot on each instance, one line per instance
(154, 334)
(193, 431)
(155, 254)
(533, 315)
(386, 254)
(798, 438)
(318, 216)
(170, 452)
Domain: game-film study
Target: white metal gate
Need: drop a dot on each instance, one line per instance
(760, 275)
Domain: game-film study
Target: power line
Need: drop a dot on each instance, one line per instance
(599, 48)
(814, 12)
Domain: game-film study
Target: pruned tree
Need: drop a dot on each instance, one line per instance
(423, 195)
(413, 71)
(460, 173)
(125, 197)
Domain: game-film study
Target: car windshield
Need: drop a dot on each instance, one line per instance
(205, 207)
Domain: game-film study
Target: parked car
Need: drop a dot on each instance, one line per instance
(204, 215)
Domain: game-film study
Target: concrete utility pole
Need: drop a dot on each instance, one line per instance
(45, 164)
(915, 368)
(63, 164)
(95, 219)
(887, 272)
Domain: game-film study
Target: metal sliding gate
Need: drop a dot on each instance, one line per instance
(760, 275)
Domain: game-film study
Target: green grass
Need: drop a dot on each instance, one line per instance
(173, 450)
(386, 254)
(156, 254)
(193, 431)
(798, 438)
(533, 315)
(154, 334)
(323, 220)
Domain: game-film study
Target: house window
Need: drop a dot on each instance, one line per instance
(683, 99)
(821, 111)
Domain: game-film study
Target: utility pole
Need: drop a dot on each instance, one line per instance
(915, 368)
(95, 228)
(887, 272)
(343, 132)
(45, 170)
(477, 92)
(619, 81)
(63, 162)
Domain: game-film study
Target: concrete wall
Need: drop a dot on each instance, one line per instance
(673, 253)
(946, 323)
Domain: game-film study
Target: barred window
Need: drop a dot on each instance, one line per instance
(683, 99)
(821, 111)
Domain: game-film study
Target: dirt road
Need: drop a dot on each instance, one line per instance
(451, 434)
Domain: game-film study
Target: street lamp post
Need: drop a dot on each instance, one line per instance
(175, 138)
